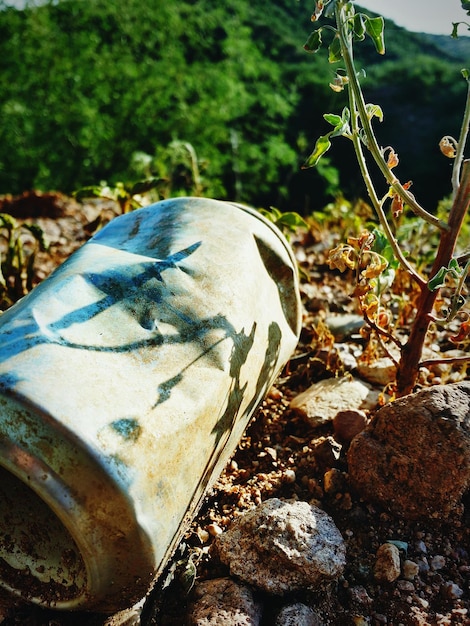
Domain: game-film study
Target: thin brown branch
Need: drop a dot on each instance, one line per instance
(445, 361)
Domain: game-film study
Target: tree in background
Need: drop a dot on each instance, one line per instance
(88, 84)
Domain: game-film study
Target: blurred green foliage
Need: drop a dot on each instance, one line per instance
(97, 90)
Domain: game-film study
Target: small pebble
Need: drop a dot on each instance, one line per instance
(358, 596)
(451, 590)
(275, 394)
(347, 424)
(420, 546)
(438, 562)
(272, 453)
(410, 569)
(424, 603)
(203, 535)
(289, 476)
(334, 481)
(405, 585)
(387, 565)
(326, 452)
(214, 530)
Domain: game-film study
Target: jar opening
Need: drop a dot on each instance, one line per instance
(39, 560)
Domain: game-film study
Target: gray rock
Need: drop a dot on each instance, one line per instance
(224, 602)
(282, 546)
(451, 590)
(405, 586)
(359, 598)
(380, 371)
(345, 325)
(298, 615)
(322, 401)
(438, 562)
(414, 456)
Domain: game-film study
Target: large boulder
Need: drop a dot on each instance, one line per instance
(413, 458)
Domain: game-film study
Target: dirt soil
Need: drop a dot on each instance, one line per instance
(282, 456)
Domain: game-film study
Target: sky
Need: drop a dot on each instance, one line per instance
(422, 16)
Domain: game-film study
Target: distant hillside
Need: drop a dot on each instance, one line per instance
(455, 49)
(218, 97)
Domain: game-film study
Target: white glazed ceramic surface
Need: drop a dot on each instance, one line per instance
(126, 381)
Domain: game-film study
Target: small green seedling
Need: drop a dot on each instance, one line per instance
(19, 244)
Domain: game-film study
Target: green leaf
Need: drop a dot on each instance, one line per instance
(382, 246)
(334, 50)
(3, 282)
(343, 130)
(465, 6)
(373, 110)
(375, 30)
(359, 28)
(341, 124)
(361, 73)
(380, 241)
(188, 575)
(465, 73)
(363, 137)
(314, 41)
(323, 145)
(438, 280)
(38, 234)
(87, 192)
(292, 220)
(8, 221)
(144, 186)
(273, 215)
(453, 269)
(333, 119)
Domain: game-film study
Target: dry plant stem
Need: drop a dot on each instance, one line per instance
(456, 360)
(380, 332)
(411, 351)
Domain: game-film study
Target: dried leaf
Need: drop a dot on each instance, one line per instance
(463, 334)
(342, 258)
(448, 147)
(397, 205)
(319, 5)
(392, 160)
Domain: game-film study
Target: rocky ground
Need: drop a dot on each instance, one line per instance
(283, 455)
